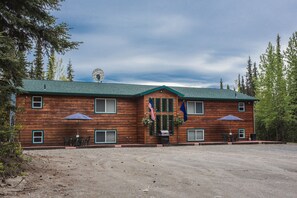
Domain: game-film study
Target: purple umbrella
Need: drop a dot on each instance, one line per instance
(230, 118)
(78, 117)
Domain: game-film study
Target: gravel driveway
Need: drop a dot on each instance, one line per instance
(180, 171)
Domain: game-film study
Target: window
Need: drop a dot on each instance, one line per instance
(105, 105)
(36, 102)
(37, 137)
(105, 136)
(195, 135)
(241, 133)
(241, 107)
(194, 107)
(164, 115)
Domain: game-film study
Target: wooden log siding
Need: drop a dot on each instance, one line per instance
(50, 119)
(214, 128)
(152, 139)
(127, 121)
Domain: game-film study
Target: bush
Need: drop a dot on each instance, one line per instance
(11, 159)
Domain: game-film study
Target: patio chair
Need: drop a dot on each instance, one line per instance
(234, 137)
(87, 140)
(225, 137)
(66, 141)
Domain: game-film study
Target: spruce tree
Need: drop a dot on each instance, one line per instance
(243, 89)
(221, 84)
(70, 71)
(239, 84)
(265, 114)
(51, 70)
(272, 109)
(31, 71)
(280, 98)
(249, 78)
(291, 60)
(38, 61)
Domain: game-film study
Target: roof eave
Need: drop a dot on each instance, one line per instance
(160, 88)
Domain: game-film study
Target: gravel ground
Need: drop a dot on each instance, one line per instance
(183, 171)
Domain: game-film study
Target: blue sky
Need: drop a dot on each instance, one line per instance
(173, 42)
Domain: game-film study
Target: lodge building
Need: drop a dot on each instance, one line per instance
(118, 110)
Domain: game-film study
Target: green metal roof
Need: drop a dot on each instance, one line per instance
(48, 87)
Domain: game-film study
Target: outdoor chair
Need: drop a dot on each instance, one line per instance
(87, 140)
(225, 137)
(66, 141)
(234, 137)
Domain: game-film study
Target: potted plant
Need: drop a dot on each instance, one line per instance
(178, 121)
(146, 121)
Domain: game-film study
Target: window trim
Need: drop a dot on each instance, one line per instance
(243, 133)
(33, 102)
(241, 105)
(42, 136)
(105, 130)
(105, 99)
(196, 140)
(195, 113)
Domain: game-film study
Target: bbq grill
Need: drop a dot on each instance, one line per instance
(163, 137)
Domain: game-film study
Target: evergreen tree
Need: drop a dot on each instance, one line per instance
(38, 61)
(254, 80)
(23, 23)
(239, 84)
(271, 110)
(221, 84)
(255, 72)
(12, 71)
(243, 89)
(249, 78)
(291, 60)
(280, 98)
(70, 71)
(264, 108)
(23, 63)
(31, 71)
(51, 70)
(27, 21)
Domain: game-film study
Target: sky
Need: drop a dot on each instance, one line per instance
(173, 42)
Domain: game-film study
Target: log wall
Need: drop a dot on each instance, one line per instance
(127, 121)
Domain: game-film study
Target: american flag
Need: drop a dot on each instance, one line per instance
(151, 107)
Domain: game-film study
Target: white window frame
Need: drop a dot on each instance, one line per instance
(195, 103)
(241, 131)
(241, 106)
(33, 136)
(105, 131)
(37, 102)
(105, 99)
(196, 131)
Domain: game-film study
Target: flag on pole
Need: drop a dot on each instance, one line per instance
(151, 107)
(184, 110)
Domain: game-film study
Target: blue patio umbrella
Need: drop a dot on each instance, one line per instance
(78, 117)
(230, 118)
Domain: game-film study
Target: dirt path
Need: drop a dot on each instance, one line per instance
(189, 171)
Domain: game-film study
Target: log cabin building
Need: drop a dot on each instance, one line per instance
(118, 110)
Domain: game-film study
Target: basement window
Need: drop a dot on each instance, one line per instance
(37, 137)
(105, 136)
(195, 135)
(241, 133)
